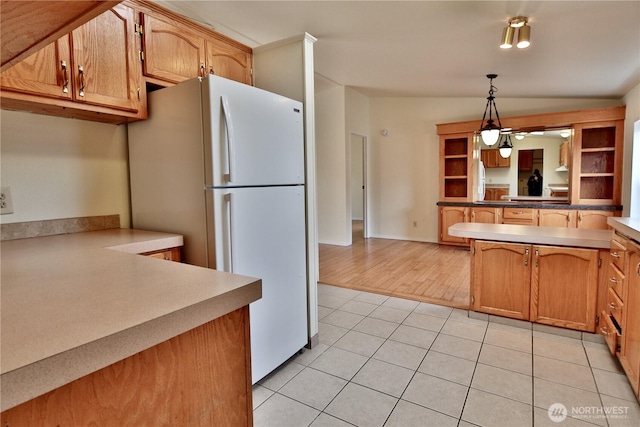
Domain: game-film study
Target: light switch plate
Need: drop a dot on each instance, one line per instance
(6, 202)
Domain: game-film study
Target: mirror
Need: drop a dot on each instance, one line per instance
(547, 151)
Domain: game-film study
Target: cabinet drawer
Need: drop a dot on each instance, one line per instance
(618, 250)
(518, 213)
(610, 333)
(615, 306)
(616, 280)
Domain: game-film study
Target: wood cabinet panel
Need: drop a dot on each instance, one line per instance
(171, 254)
(491, 158)
(202, 377)
(557, 218)
(225, 61)
(450, 215)
(172, 53)
(45, 73)
(596, 220)
(564, 287)
(486, 215)
(501, 279)
(104, 60)
(630, 347)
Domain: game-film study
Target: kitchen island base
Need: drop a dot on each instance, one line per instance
(201, 377)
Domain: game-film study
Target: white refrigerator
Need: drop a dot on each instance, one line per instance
(222, 163)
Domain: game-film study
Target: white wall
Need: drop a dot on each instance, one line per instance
(63, 168)
(404, 167)
(631, 176)
(331, 164)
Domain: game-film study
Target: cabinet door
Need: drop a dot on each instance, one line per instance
(229, 62)
(486, 215)
(450, 215)
(557, 218)
(45, 73)
(106, 69)
(594, 219)
(564, 287)
(172, 53)
(630, 348)
(501, 279)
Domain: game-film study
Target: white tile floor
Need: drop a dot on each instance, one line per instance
(385, 361)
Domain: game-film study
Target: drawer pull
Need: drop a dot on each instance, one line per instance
(614, 280)
(605, 331)
(518, 212)
(615, 255)
(612, 306)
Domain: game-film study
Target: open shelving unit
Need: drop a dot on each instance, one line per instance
(597, 162)
(455, 164)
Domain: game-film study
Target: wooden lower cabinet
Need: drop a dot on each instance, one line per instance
(199, 378)
(500, 275)
(564, 287)
(544, 284)
(486, 215)
(450, 215)
(557, 218)
(171, 254)
(596, 220)
(630, 345)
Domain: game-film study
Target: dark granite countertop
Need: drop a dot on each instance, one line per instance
(533, 205)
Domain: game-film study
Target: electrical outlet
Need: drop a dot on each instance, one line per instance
(6, 202)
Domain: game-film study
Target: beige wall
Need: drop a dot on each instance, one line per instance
(63, 168)
(631, 178)
(403, 166)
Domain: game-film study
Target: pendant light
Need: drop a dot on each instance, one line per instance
(506, 147)
(490, 132)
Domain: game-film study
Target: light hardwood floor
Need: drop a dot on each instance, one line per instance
(420, 271)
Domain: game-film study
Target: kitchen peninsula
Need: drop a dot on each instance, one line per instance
(92, 332)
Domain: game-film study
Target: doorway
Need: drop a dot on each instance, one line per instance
(358, 179)
(528, 161)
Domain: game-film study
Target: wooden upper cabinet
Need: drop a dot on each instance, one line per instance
(45, 73)
(105, 62)
(597, 163)
(92, 73)
(223, 60)
(176, 49)
(171, 53)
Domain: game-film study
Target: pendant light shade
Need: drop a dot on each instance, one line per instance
(507, 37)
(524, 37)
(490, 132)
(506, 147)
(490, 136)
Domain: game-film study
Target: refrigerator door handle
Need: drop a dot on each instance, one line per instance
(229, 246)
(231, 154)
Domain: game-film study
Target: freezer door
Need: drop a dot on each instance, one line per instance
(260, 232)
(255, 137)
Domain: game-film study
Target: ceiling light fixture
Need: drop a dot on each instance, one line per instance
(490, 132)
(524, 33)
(506, 146)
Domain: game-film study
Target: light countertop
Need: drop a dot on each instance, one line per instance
(556, 236)
(73, 304)
(628, 226)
